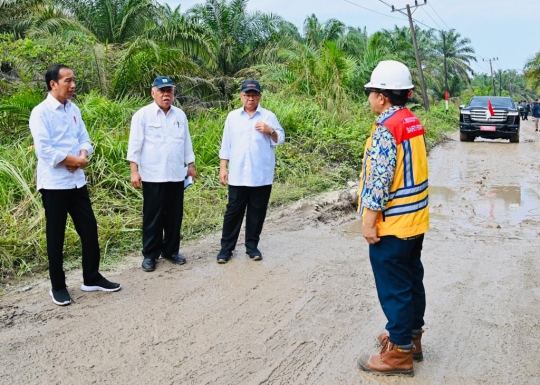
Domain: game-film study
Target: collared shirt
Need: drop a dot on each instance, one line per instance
(58, 131)
(250, 153)
(160, 144)
(383, 164)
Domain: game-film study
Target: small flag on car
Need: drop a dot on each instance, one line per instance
(489, 111)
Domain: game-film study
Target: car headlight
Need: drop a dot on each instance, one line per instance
(513, 113)
(465, 112)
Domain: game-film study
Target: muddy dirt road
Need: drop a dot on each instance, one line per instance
(307, 311)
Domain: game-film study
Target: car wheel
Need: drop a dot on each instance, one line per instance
(514, 138)
(464, 137)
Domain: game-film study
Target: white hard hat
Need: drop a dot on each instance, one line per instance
(391, 75)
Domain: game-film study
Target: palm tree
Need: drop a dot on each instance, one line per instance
(453, 54)
(532, 71)
(317, 33)
(112, 21)
(238, 37)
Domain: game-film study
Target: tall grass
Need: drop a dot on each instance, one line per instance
(323, 150)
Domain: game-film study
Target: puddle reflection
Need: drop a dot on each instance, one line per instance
(515, 203)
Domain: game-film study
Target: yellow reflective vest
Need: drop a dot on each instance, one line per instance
(406, 213)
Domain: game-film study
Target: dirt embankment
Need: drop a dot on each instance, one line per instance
(307, 311)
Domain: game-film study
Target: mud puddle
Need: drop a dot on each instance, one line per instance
(309, 309)
(514, 203)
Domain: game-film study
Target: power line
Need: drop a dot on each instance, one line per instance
(439, 16)
(371, 10)
(437, 24)
(403, 13)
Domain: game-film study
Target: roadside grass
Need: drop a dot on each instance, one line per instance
(323, 151)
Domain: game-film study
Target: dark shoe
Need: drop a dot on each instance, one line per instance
(255, 257)
(177, 259)
(148, 264)
(223, 257)
(101, 285)
(417, 344)
(60, 297)
(391, 361)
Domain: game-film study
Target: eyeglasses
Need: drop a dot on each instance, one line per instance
(251, 96)
(368, 91)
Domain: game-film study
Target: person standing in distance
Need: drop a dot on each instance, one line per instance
(158, 151)
(393, 202)
(536, 113)
(62, 144)
(249, 137)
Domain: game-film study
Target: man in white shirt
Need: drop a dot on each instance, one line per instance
(249, 138)
(62, 144)
(159, 149)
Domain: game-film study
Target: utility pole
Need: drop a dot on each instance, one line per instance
(447, 90)
(492, 78)
(500, 83)
(417, 53)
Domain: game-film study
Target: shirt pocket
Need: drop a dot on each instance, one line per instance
(153, 132)
(176, 131)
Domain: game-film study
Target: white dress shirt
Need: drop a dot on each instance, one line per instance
(250, 153)
(160, 144)
(58, 131)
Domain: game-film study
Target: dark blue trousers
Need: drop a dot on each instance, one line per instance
(398, 275)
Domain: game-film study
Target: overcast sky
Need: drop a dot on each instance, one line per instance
(506, 29)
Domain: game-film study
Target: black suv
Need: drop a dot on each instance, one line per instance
(474, 121)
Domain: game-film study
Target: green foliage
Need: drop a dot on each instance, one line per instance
(323, 150)
(27, 59)
(116, 47)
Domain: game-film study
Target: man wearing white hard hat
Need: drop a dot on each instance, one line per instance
(393, 202)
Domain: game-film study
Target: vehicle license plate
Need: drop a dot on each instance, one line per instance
(488, 128)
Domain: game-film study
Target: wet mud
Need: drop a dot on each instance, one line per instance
(308, 310)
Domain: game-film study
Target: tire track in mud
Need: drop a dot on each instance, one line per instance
(305, 313)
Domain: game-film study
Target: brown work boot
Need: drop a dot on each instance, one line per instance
(416, 340)
(391, 361)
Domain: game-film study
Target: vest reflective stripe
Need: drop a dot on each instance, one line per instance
(406, 209)
(408, 191)
(407, 161)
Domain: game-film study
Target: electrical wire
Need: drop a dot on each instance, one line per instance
(437, 24)
(371, 10)
(429, 3)
(403, 13)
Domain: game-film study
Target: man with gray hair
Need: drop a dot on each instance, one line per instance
(62, 145)
(159, 150)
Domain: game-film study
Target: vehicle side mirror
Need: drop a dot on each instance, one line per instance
(461, 106)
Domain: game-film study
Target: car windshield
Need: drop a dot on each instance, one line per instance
(496, 102)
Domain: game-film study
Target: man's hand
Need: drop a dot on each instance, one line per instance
(263, 128)
(82, 162)
(136, 180)
(223, 177)
(191, 171)
(370, 229)
(73, 163)
(370, 234)
(223, 173)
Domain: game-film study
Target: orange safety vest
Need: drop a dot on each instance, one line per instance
(406, 213)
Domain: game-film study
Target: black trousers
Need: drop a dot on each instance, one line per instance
(163, 209)
(75, 202)
(256, 200)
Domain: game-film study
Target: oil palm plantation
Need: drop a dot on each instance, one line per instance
(238, 38)
(452, 54)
